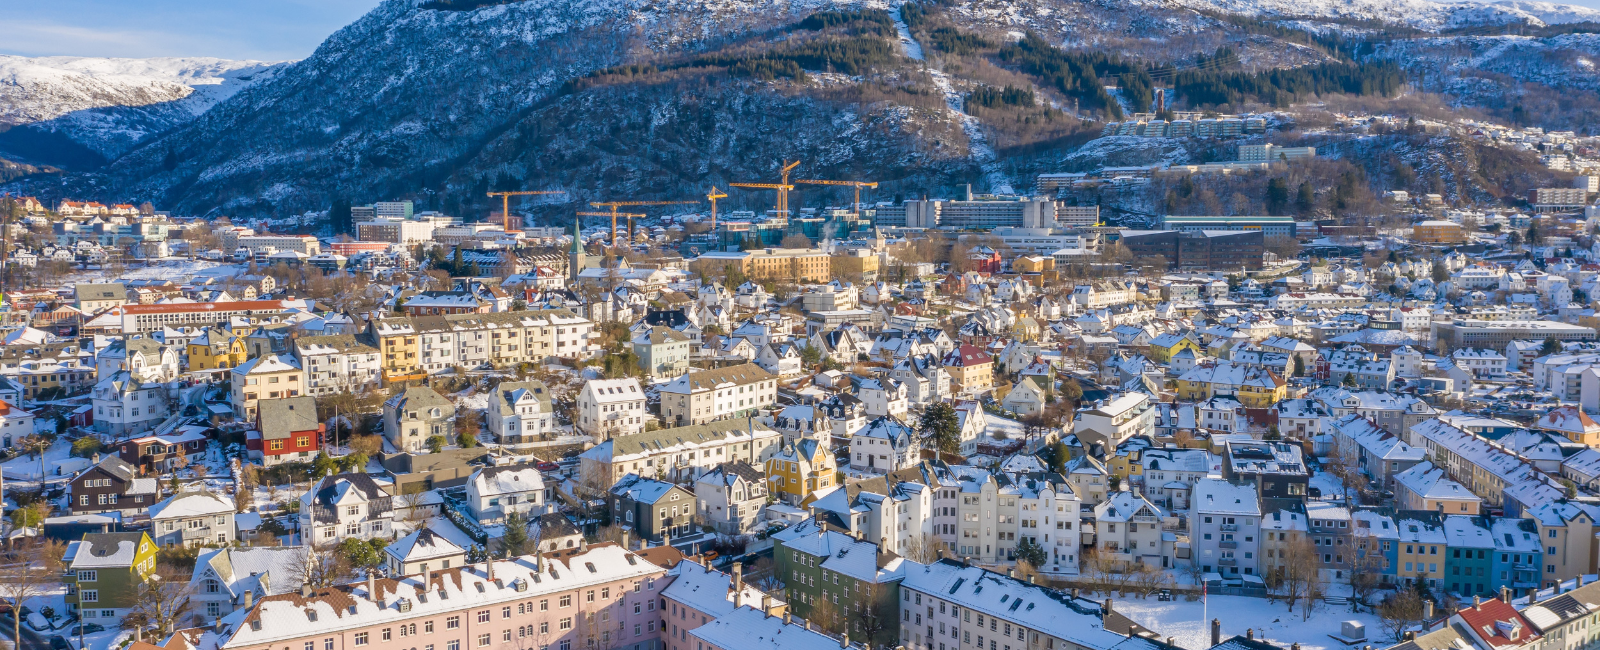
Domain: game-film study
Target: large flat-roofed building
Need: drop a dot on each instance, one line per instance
(1273, 153)
(1498, 333)
(1554, 199)
(269, 244)
(152, 318)
(1204, 250)
(1269, 226)
(1438, 232)
(803, 264)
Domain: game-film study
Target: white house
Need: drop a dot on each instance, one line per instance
(421, 551)
(125, 405)
(1482, 363)
(15, 423)
(224, 576)
(345, 506)
(731, 497)
(885, 445)
(520, 412)
(611, 407)
(192, 518)
(883, 397)
(924, 376)
(493, 493)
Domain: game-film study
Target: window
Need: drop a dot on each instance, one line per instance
(361, 638)
(566, 601)
(388, 634)
(483, 640)
(89, 596)
(427, 627)
(483, 616)
(566, 623)
(452, 623)
(88, 576)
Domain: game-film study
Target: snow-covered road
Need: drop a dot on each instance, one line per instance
(977, 144)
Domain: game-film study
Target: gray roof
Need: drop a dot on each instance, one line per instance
(697, 434)
(110, 291)
(282, 418)
(747, 373)
(509, 394)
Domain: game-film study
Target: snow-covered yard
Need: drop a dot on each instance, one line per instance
(1189, 623)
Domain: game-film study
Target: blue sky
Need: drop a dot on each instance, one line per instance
(268, 30)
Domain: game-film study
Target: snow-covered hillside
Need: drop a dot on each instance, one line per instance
(108, 105)
(1422, 14)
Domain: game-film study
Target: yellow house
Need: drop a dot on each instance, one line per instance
(1262, 390)
(799, 471)
(971, 368)
(216, 348)
(1255, 388)
(1126, 464)
(1422, 552)
(1164, 347)
(397, 342)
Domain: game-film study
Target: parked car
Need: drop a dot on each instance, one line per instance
(57, 642)
(88, 628)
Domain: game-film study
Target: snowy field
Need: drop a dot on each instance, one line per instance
(1189, 623)
(175, 269)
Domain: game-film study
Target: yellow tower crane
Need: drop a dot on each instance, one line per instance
(856, 184)
(783, 187)
(505, 203)
(617, 204)
(630, 216)
(712, 196)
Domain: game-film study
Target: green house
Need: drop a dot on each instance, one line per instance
(839, 582)
(103, 571)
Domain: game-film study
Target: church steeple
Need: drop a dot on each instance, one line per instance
(576, 258)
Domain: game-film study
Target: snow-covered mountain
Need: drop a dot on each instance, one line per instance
(108, 105)
(413, 99)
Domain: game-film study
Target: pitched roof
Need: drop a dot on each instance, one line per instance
(282, 418)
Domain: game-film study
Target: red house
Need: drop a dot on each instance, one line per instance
(287, 431)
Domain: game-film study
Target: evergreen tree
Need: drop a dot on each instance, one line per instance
(941, 427)
(1305, 199)
(1277, 196)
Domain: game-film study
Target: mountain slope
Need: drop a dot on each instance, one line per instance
(88, 108)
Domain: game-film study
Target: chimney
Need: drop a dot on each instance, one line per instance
(1011, 572)
(248, 601)
(95, 458)
(625, 546)
(1074, 593)
(1216, 631)
(1107, 607)
(1505, 595)
(1427, 611)
(372, 588)
(738, 582)
(844, 640)
(1171, 642)
(1030, 578)
(1477, 603)
(305, 591)
(583, 545)
(1411, 635)
(1250, 633)
(1294, 646)
(766, 605)
(427, 578)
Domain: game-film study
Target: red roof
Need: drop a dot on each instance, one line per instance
(967, 355)
(1498, 624)
(179, 308)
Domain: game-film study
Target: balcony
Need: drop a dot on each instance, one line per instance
(1228, 544)
(1228, 561)
(1230, 528)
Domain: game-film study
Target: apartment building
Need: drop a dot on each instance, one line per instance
(1425, 487)
(679, 453)
(562, 601)
(700, 595)
(611, 407)
(1227, 527)
(1494, 473)
(1112, 421)
(1381, 454)
(817, 565)
(1127, 528)
(708, 395)
(338, 363)
(794, 264)
(265, 377)
(968, 607)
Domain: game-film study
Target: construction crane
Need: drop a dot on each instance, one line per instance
(505, 203)
(856, 184)
(712, 196)
(783, 188)
(618, 204)
(630, 216)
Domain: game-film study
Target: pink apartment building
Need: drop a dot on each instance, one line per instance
(602, 598)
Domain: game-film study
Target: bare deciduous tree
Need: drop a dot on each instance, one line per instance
(29, 574)
(161, 600)
(1400, 611)
(923, 548)
(319, 566)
